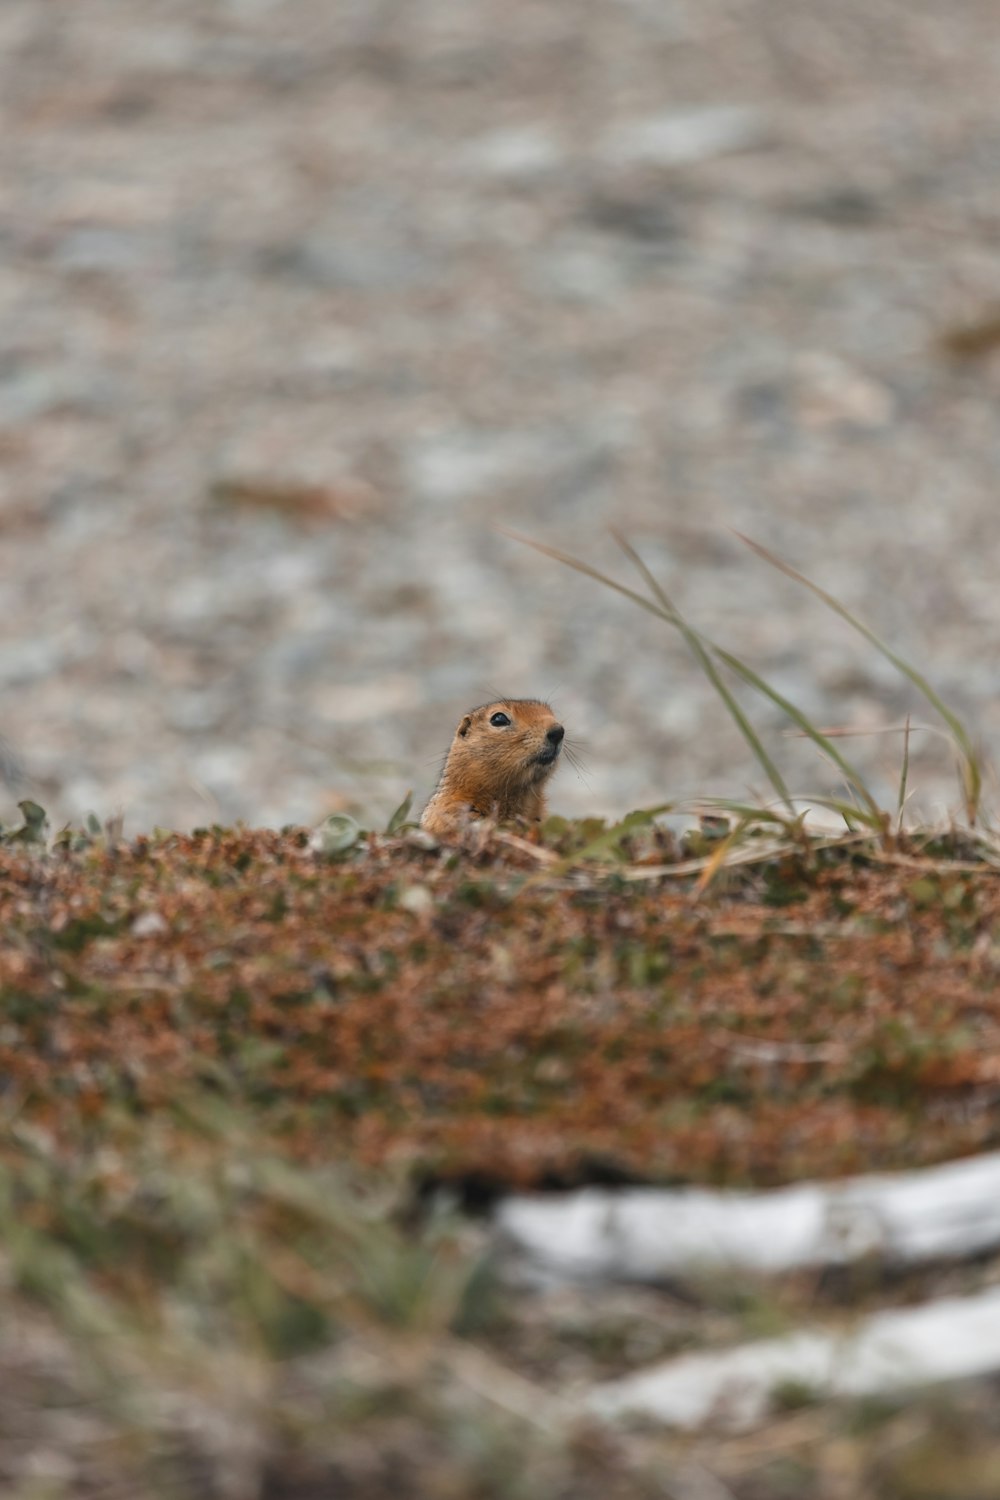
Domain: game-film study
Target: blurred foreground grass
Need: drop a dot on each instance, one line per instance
(187, 1313)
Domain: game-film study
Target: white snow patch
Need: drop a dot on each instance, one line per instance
(953, 1338)
(648, 1234)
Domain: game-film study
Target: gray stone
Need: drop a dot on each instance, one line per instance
(682, 137)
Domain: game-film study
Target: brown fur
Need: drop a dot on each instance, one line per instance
(496, 771)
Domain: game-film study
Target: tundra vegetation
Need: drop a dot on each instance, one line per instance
(260, 1088)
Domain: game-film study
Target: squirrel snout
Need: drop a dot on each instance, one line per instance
(555, 734)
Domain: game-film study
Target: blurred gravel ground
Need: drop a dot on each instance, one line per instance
(299, 299)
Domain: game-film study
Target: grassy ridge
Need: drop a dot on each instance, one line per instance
(464, 1019)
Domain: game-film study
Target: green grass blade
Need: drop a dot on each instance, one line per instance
(753, 679)
(664, 609)
(701, 646)
(972, 775)
(904, 773)
(849, 811)
(874, 815)
(701, 651)
(751, 813)
(581, 567)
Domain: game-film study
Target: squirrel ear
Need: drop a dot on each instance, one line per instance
(465, 726)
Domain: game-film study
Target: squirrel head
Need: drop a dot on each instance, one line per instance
(516, 741)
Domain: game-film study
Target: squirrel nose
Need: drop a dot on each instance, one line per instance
(555, 734)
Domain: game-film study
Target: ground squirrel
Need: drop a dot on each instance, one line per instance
(501, 757)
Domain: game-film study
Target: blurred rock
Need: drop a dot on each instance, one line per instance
(522, 152)
(680, 138)
(466, 464)
(830, 391)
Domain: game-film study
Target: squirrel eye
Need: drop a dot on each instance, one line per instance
(499, 720)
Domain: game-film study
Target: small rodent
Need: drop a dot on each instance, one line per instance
(501, 757)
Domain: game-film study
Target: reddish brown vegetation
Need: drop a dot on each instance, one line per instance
(427, 1011)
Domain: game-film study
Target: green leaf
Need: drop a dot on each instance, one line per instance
(33, 829)
(608, 842)
(336, 835)
(401, 814)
